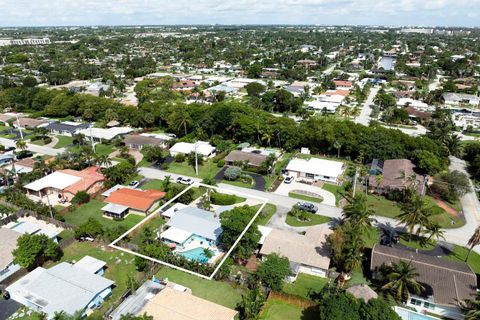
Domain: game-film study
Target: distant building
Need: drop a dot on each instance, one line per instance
(457, 99)
(251, 159)
(66, 128)
(104, 134)
(136, 141)
(24, 42)
(64, 287)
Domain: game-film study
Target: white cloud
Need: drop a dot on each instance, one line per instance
(73, 12)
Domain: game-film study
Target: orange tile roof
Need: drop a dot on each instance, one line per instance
(340, 92)
(134, 198)
(88, 177)
(342, 83)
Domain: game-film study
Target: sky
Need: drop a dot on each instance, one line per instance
(167, 12)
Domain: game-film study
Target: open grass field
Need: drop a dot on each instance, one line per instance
(92, 209)
(215, 291)
(275, 309)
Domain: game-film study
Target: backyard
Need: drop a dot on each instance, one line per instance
(305, 285)
(275, 309)
(93, 209)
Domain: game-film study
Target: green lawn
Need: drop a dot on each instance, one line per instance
(357, 277)
(269, 180)
(92, 209)
(266, 214)
(39, 142)
(154, 223)
(304, 197)
(416, 243)
(336, 190)
(208, 169)
(63, 141)
(383, 207)
(305, 285)
(156, 184)
(104, 149)
(459, 254)
(119, 266)
(240, 183)
(280, 310)
(215, 291)
(314, 219)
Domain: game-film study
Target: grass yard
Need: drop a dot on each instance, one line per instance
(153, 224)
(156, 184)
(275, 309)
(208, 169)
(304, 197)
(357, 278)
(63, 142)
(215, 291)
(336, 190)
(92, 209)
(383, 207)
(242, 183)
(305, 285)
(269, 180)
(266, 214)
(314, 219)
(104, 149)
(119, 266)
(415, 242)
(459, 254)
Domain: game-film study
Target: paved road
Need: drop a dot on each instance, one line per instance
(364, 117)
(33, 147)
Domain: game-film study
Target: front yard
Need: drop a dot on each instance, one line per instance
(208, 169)
(266, 214)
(92, 209)
(313, 219)
(275, 309)
(63, 142)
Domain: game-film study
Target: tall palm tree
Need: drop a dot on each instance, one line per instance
(358, 214)
(21, 144)
(473, 307)
(103, 160)
(337, 145)
(414, 213)
(453, 144)
(473, 241)
(434, 230)
(401, 281)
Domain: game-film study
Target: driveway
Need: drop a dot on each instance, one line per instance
(257, 178)
(7, 308)
(285, 188)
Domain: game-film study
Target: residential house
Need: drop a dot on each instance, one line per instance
(252, 159)
(315, 169)
(64, 287)
(192, 224)
(104, 134)
(29, 123)
(203, 149)
(125, 201)
(307, 64)
(343, 85)
(307, 253)
(137, 142)
(8, 243)
(21, 166)
(173, 304)
(458, 99)
(447, 285)
(396, 174)
(6, 158)
(66, 128)
(63, 185)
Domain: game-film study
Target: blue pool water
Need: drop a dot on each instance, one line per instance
(196, 254)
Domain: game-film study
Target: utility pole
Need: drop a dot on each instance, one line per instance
(49, 206)
(355, 181)
(91, 139)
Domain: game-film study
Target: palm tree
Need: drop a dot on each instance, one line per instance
(473, 307)
(337, 145)
(414, 214)
(473, 241)
(401, 281)
(21, 144)
(356, 111)
(103, 160)
(434, 230)
(452, 143)
(379, 179)
(358, 214)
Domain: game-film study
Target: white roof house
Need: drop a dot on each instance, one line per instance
(8, 243)
(314, 168)
(64, 287)
(90, 264)
(104, 134)
(203, 148)
(173, 210)
(57, 180)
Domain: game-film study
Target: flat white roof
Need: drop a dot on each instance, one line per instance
(107, 134)
(203, 148)
(115, 208)
(173, 209)
(90, 264)
(57, 180)
(176, 235)
(316, 166)
(265, 231)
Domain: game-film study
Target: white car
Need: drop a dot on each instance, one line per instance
(288, 180)
(183, 180)
(134, 184)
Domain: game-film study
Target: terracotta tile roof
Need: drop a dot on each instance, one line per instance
(88, 177)
(135, 199)
(448, 282)
(341, 83)
(339, 92)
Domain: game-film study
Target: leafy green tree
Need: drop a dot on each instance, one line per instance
(377, 309)
(80, 197)
(255, 89)
(339, 306)
(414, 213)
(273, 271)
(451, 185)
(232, 173)
(33, 250)
(91, 228)
(251, 304)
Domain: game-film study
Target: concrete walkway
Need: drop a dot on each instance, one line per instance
(285, 188)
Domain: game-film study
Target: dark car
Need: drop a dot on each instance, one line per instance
(307, 206)
(24, 154)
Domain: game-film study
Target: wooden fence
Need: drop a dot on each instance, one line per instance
(23, 212)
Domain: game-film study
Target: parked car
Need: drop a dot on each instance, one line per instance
(24, 154)
(288, 180)
(134, 184)
(183, 180)
(307, 206)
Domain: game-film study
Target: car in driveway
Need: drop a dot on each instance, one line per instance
(134, 184)
(186, 181)
(307, 206)
(288, 180)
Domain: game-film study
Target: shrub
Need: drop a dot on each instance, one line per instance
(222, 199)
(47, 140)
(220, 163)
(232, 173)
(180, 157)
(80, 198)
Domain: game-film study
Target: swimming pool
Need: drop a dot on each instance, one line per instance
(406, 314)
(197, 254)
